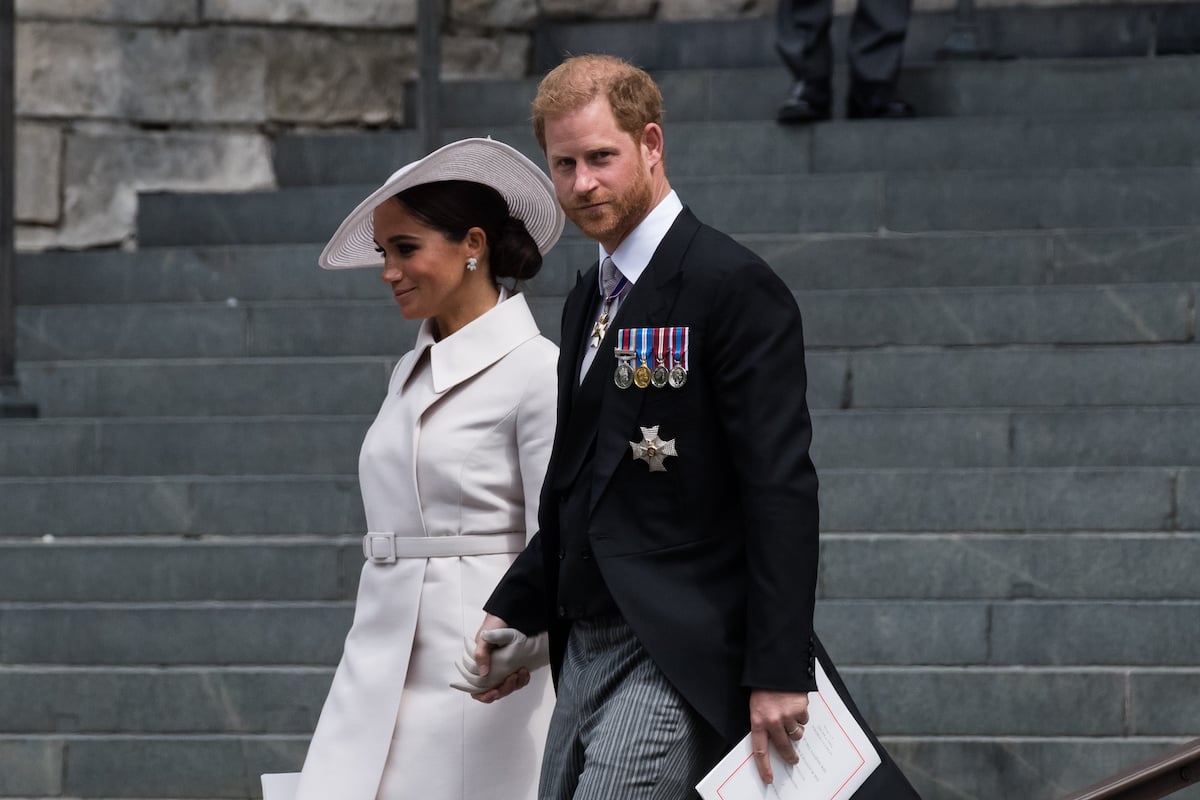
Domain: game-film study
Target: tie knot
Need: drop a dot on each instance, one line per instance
(610, 276)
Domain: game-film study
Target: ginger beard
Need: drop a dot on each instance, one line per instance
(617, 215)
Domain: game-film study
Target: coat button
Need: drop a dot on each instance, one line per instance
(586, 554)
(562, 611)
(562, 554)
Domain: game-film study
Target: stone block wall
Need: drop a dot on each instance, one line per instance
(117, 96)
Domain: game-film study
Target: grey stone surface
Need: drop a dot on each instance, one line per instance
(1096, 633)
(1164, 702)
(46, 700)
(1012, 767)
(997, 500)
(1102, 198)
(1045, 566)
(901, 633)
(1188, 499)
(281, 272)
(1008, 143)
(181, 505)
(197, 634)
(30, 449)
(844, 439)
(215, 330)
(131, 331)
(142, 73)
(1041, 315)
(595, 9)
(315, 76)
(201, 767)
(1124, 256)
(504, 14)
(468, 55)
(1026, 30)
(170, 570)
(1107, 437)
(207, 387)
(104, 169)
(169, 12)
(941, 701)
(38, 161)
(30, 767)
(1020, 376)
(350, 13)
(255, 446)
(346, 328)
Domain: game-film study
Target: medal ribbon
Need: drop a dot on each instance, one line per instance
(660, 345)
(643, 346)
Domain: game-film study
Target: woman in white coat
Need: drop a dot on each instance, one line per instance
(450, 474)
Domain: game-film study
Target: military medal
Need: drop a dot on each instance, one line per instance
(658, 375)
(623, 377)
(677, 377)
(641, 375)
(652, 449)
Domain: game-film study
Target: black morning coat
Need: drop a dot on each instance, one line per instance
(713, 563)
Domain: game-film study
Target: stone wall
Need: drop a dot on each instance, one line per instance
(117, 96)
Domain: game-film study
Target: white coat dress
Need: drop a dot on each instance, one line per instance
(453, 464)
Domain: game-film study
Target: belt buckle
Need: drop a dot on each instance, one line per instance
(380, 547)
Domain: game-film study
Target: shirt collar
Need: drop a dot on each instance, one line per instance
(633, 255)
(477, 345)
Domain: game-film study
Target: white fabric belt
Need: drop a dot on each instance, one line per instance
(385, 548)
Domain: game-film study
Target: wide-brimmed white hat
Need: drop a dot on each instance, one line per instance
(526, 189)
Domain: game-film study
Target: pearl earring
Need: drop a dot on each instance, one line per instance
(472, 264)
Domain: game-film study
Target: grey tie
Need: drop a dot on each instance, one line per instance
(610, 276)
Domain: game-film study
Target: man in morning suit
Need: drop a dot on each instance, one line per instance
(676, 562)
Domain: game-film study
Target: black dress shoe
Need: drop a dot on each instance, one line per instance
(809, 101)
(876, 101)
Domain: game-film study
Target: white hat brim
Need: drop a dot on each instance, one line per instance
(526, 189)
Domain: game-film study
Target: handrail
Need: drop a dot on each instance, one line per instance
(11, 404)
(1151, 779)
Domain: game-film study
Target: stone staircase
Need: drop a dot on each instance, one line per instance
(1001, 314)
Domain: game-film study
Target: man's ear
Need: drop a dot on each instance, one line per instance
(652, 143)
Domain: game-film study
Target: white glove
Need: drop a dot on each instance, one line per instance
(513, 650)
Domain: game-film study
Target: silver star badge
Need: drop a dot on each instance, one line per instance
(652, 449)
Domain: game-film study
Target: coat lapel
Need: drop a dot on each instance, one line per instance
(599, 409)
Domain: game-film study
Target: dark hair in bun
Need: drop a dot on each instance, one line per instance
(454, 207)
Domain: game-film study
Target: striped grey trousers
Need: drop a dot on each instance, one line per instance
(620, 731)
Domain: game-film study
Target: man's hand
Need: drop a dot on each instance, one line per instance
(778, 718)
(483, 664)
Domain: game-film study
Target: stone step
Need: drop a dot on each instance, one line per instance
(701, 149)
(900, 701)
(227, 766)
(884, 566)
(806, 261)
(968, 88)
(1134, 314)
(904, 202)
(322, 445)
(207, 387)
(1111, 633)
(885, 378)
(1009, 376)
(1069, 31)
(1001, 499)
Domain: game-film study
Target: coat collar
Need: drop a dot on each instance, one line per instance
(477, 345)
